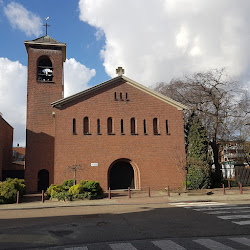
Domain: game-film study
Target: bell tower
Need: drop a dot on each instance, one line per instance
(45, 85)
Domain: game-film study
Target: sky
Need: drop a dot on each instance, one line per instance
(153, 40)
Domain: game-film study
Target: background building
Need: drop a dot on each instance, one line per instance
(6, 140)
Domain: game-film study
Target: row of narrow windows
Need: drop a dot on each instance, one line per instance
(120, 96)
(110, 127)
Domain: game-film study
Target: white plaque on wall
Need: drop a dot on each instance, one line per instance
(94, 164)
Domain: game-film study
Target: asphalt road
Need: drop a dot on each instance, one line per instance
(94, 226)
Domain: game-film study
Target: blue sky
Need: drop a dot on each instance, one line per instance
(65, 26)
(153, 40)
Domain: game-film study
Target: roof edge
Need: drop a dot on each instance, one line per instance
(133, 83)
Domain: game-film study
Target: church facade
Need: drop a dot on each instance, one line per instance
(119, 132)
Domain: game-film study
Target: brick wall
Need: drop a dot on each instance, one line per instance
(155, 157)
(6, 140)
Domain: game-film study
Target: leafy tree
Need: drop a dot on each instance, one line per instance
(221, 104)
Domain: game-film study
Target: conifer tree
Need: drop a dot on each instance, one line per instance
(197, 154)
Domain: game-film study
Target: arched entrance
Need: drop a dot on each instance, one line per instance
(43, 180)
(123, 174)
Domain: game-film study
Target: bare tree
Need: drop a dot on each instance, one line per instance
(219, 102)
(74, 168)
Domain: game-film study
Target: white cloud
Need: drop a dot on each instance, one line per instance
(76, 77)
(21, 18)
(156, 40)
(13, 77)
(13, 90)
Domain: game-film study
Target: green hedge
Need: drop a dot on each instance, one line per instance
(68, 191)
(9, 189)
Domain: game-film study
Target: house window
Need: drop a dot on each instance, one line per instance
(132, 125)
(121, 96)
(115, 96)
(98, 127)
(74, 126)
(110, 126)
(44, 69)
(155, 126)
(122, 129)
(167, 132)
(85, 125)
(144, 127)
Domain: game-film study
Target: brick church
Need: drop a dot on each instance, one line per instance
(118, 132)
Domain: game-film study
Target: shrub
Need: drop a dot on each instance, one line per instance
(94, 189)
(63, 196)
(199, 174)
(67, 191)
(68, 184)
(9, 189)
(77, 189)
(53, 190)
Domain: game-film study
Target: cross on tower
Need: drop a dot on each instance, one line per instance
(46, 25)
(119, 71)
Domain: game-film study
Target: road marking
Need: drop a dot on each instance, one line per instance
(241, 240)
(122, 246)
(218, 212)
(212, 244)
(244, 222)
(167, 245)
(197, 204)
(236, 216)
(228, 212)
(221, 208)
(76, 248)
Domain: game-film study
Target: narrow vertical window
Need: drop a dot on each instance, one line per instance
(144, 127)
(167, 132)
(126, 96)
(74, 126)
(155, 126)
(98, 127)
(122, 129)
(121, 95)
(132, 123)
(115, 96)
(86, 125)
(110, 125)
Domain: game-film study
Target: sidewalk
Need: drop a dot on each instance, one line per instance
(138, 197)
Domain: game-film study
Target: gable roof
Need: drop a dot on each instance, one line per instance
(61, 102)
(46, 41)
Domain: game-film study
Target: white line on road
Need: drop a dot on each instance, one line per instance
(122, 246)
(241, 240)
(212, 244)
(241, 223)
(197, 204)
(221, 208)
(218, 212)
(76, 248)
(236, 216)
(228, 212)
(167, 245)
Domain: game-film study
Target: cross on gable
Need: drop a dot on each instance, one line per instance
(119, 71)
